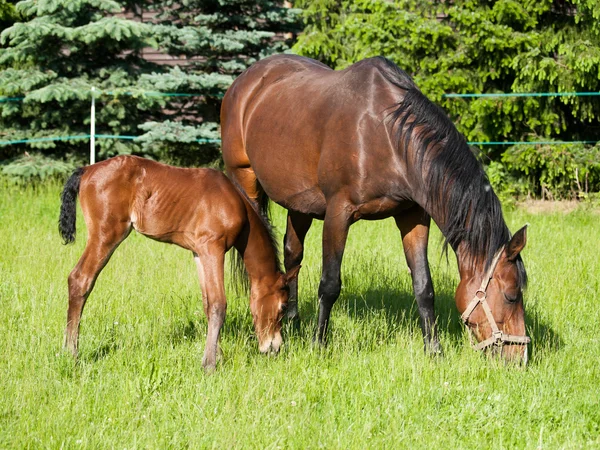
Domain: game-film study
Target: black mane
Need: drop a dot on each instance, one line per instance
(458, 189)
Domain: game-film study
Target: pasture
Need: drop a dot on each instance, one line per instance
(139, 384)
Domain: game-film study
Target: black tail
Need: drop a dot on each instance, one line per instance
(68, 207)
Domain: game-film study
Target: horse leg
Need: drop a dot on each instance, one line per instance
(210, 262)
(246, 179)
(297, 227)
(414, 228)
(98, 250)
(335, 232)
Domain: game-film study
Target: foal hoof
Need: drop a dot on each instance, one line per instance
(70, 350)
(209, 367)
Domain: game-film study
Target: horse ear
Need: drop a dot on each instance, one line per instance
(291, 274)
(516, 244)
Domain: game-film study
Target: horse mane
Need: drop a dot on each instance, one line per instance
(239, 273)
(456, 185)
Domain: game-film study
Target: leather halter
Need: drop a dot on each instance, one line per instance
(498, 337)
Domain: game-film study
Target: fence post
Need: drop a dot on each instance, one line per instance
(93, 129)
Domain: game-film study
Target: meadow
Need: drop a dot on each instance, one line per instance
(138, 382)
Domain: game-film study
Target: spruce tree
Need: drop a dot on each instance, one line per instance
(66, 47)
(8, 14)
(55, 57)
(217, 40)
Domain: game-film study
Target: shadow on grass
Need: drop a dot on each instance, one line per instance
(399, 309)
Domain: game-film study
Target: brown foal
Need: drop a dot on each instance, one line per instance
(198, 209)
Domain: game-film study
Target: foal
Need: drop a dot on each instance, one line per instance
(197, 209)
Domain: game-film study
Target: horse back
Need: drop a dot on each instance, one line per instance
(183, 206)
(309, 132)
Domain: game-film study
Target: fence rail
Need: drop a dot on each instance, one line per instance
(96, 94)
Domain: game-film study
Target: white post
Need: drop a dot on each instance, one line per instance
(93, 129)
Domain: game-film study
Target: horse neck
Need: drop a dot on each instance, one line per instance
(257, 251)
(468, 214)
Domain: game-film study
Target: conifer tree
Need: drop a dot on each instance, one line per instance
(8, 14)
(66, 47)
(217, 40)
(54, 58)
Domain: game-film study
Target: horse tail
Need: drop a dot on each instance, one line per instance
(68, 209)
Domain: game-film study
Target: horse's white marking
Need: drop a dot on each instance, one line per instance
(487, 188)
(277, 341)
(265, 346)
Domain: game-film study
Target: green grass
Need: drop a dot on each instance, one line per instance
(139, 383)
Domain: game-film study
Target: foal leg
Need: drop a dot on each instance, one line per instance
(414, 228)
(297, 227)
(98, 250)
(210, 262)
(335, 232)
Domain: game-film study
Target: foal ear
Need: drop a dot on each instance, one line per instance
(516, 244)
(291, 274)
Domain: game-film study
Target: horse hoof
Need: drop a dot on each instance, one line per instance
(291, 314)
(434, 350)
(209, 368)
(209, 365)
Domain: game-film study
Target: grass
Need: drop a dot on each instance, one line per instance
(139, 384)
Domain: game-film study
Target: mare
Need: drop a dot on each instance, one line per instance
(365, 143)
(198, 209)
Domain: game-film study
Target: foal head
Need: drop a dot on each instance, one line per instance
(268, 305)
(491, 302)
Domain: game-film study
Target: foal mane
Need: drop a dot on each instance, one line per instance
(457, 187)
(240, 274)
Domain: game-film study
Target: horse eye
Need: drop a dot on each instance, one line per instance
(511, 298)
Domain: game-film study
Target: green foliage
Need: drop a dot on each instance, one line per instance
(34, 168)
(175, 143)
(556, 171)
(8, 14)
(54, 57)
(471, 46)
(63, 48)
(218, 40)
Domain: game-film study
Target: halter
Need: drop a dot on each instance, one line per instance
(498, 337)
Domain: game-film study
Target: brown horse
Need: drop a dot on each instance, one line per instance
(198, 209)
(365, 143)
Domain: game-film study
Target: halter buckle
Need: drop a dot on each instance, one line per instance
(498, 338)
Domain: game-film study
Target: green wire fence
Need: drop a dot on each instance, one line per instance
(94, 136)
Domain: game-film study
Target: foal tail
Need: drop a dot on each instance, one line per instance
(68, 207)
